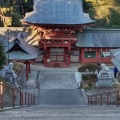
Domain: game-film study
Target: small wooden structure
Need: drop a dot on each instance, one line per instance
(20, 50)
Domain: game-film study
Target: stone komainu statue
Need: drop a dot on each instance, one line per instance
(104, 68)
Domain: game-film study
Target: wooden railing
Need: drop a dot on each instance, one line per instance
(108, 98)
(11, 97)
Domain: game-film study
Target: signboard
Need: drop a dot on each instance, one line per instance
(57, 50)
(105, 54)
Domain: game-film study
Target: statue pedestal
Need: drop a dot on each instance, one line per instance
(104, 80)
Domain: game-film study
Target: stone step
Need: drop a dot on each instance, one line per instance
(104, 73)
(106, 76)
(105, 79)
(83, 112)
(58, 80)
(60, 97)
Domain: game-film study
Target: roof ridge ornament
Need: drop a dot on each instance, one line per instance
(16, 40)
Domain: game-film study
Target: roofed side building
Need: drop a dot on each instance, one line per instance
(95, 44)
(99, 38)
(19, 50)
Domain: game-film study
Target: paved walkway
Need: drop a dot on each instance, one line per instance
(52, 79)
(40, 67)
(59, 88)
(57, 80)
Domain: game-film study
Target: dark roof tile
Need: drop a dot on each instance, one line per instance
(28, 51)
(99, 38)
(116, 63)
(58, 12)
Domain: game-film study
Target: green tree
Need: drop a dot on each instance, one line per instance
(2, 56)
(89, 75)
(114, 18)
(13, 11)
(105, 12)
(89, 68)
(116, 2)
(6, 13)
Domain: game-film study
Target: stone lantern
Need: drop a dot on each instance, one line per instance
(9, 75)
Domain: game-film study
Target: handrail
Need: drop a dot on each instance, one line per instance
(104, 98)
(11, 97)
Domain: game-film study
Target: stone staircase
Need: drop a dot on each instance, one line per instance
(70, 112)
(59, 88)
(45, 110)
(52, 107)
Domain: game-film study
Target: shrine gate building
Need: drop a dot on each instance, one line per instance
(57, 22)
(61, 27)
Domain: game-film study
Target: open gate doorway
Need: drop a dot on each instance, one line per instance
(57, 57)
(57, 54)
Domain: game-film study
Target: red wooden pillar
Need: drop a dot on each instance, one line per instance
(44, 56)
(98, 55)
(29, 66)
(69, 60)
(80, 55)
(69, 56)
(48, 53)
(65, 54)
(27, 69)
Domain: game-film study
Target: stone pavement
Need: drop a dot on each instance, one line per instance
(60, 97)
(59, 88)
(59, 79)
(40, 67)
(62, 113)
(38, 72)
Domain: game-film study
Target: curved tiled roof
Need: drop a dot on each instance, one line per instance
(116, 59)
(69, 12)
(116, 63)
(99, 38)
(30, 36)
(25, 51)
(115, 52)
